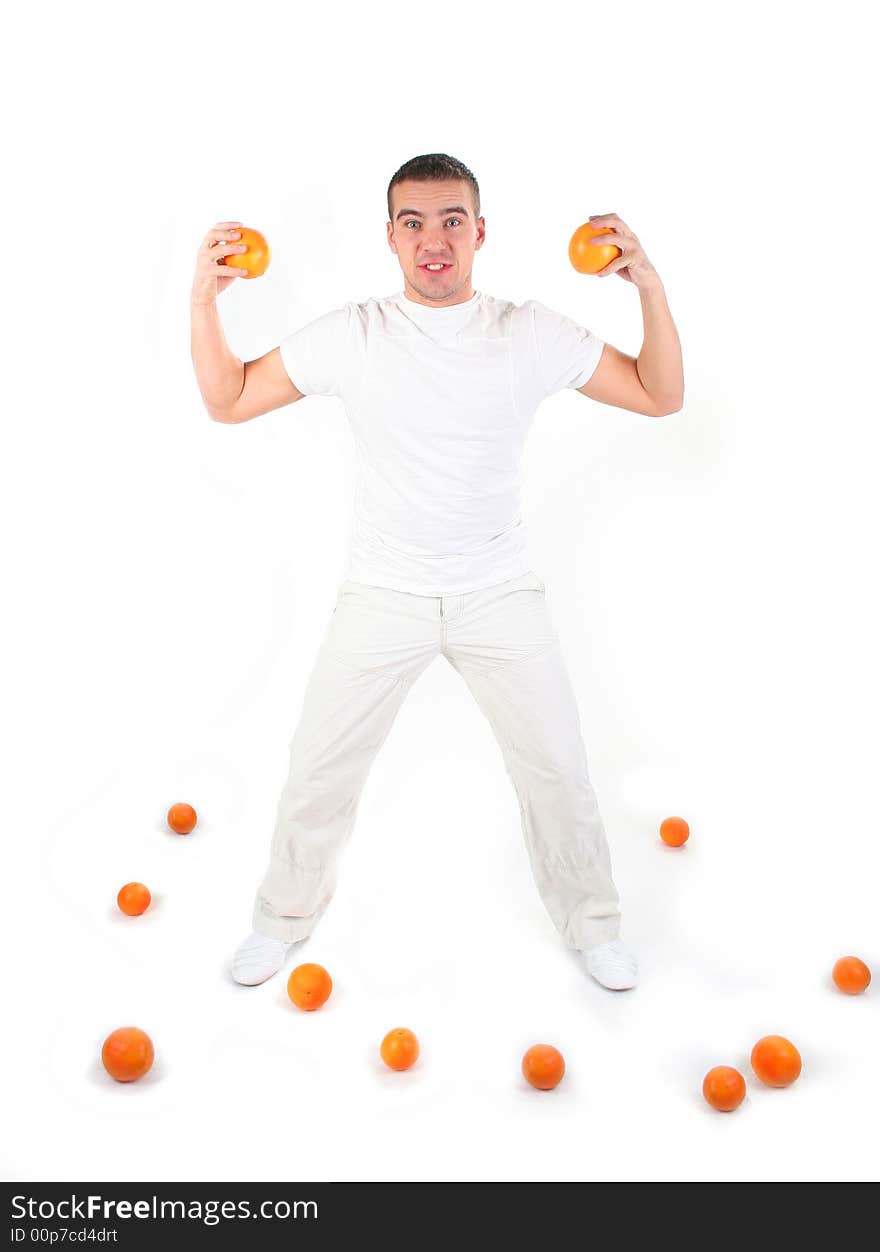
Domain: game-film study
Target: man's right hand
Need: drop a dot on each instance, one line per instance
(212, 275)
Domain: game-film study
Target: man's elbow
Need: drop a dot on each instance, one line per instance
(666, 410)
(221, 415)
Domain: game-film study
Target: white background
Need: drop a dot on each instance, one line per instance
(712, 576)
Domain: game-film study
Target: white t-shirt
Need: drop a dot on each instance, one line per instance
(440, 401)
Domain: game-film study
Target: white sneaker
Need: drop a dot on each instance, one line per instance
(613, 965)
(258, 958)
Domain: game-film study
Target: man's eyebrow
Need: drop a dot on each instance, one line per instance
(455, 208)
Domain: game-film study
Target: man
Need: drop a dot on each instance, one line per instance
(440, 383)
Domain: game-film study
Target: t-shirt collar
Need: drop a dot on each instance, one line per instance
(429, 311)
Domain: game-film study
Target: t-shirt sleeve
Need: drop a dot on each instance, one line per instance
(567, 353)
(316, 355)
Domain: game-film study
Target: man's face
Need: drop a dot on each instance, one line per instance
(433, 222)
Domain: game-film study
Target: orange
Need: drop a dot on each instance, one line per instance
(127, 1054)
(851, 975)
(589, 257)
(674, 831)
(776, 1061)
(400, 1048)
(256, 259)
(724, 1088)
(309, 986)
(181, 818)
(133, 899)
(543, 1066)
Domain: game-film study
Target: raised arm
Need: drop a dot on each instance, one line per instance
(232, 390)
(653, 382)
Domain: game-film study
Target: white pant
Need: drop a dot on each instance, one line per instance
(503, 643)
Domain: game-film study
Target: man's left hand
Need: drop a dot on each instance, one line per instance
(632, 264)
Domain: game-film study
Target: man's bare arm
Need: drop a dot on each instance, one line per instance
(657, 372)
(616, 381)
(232, 390)
(653, 382)
(266, 386)
(219, 372)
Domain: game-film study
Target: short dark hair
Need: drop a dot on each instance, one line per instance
(434, 167)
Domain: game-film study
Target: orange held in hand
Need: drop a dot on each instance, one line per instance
(724, 1088)
(586, 255)
(776, 1061)
(127, 1054)
(674, 831)
(400, 1048)
(133, 899)
(309, 986)
(256, 259)
(543, 1066)
(181, 818)
(851, 975)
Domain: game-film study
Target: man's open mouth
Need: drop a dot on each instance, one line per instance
(436, 267)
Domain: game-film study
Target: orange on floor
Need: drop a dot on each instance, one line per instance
(133, 899)
(776, 1061)
(127, 1053)
(851, 975)
(674, 831)
(586, 255)
(724, 1088)
(309, 986)
(181, 818)
(399, 1048)
(543, 1066)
